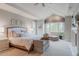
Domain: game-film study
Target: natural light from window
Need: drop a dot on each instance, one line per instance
(55, 27)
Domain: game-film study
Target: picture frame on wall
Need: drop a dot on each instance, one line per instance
(16, 22)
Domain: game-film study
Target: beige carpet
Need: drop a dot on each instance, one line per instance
(56, 48)
(60, 48)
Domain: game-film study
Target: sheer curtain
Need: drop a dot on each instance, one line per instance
(57, 27)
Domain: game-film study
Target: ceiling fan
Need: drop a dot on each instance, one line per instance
(43, 4)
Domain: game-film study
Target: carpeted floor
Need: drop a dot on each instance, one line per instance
(60, 48)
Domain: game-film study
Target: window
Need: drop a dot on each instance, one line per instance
(2, 32)
(55, 27)
(1, 29)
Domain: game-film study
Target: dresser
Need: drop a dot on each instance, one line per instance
(4, 44)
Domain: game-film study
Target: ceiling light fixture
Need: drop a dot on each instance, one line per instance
(43, 4)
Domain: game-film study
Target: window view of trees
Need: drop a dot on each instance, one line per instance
(55, 27)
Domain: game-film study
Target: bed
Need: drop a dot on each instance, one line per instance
(20, 38)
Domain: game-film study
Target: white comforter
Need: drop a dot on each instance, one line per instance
(26, 38)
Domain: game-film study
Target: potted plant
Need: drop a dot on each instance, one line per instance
(60, 35)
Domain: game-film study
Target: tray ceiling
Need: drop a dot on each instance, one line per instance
(62, 9)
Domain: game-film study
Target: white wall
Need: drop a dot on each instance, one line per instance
(5, 19)
(69, 33)
(78, 40)
(73, 38)
(68, 24)
(40, 27)
(29, 24)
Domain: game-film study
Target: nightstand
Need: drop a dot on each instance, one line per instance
(4, 44)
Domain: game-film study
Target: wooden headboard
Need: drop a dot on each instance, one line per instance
(11, 33)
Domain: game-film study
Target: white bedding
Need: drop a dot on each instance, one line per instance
(24, 41)
(26, 38)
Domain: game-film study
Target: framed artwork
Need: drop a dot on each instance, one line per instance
(16, 22)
